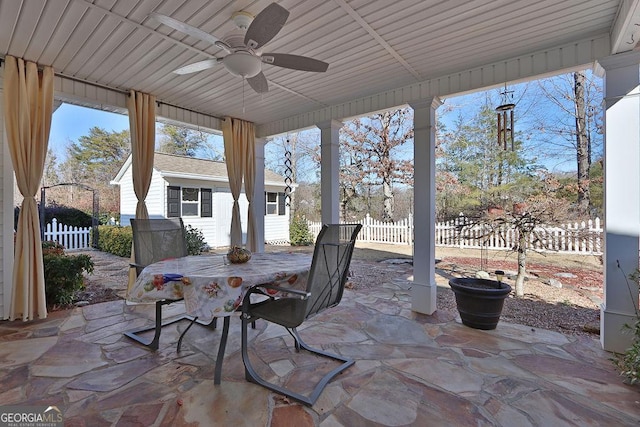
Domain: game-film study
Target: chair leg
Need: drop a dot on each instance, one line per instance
(157, 328)
(155, 341)
(252, 376)
(185, 331)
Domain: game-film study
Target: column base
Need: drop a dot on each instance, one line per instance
(614, 336)
(423, 298)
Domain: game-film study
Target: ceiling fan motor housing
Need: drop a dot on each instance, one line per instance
(243, 64)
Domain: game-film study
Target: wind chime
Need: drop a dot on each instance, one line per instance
(505, 141)
(288, 171)
(505, 120)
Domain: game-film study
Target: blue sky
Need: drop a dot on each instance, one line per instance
(70, 122)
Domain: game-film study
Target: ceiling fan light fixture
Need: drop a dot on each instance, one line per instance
(243, 64)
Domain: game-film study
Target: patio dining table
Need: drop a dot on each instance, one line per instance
(213, 287)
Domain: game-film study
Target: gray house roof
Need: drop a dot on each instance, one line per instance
(190, 167)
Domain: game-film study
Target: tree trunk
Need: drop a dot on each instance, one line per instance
(522, 264)
(387, 214)
(582, 145)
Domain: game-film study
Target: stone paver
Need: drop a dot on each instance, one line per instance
(410, 369)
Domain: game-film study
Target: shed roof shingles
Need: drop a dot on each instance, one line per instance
(207, 168)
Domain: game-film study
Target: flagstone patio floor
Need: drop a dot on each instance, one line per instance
(411, 370)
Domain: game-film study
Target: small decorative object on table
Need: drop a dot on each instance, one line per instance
(238, 255)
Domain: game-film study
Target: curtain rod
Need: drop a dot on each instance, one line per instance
(158, 103)
(123, 91)
(101, 86)
(76, 79)
(187, 109)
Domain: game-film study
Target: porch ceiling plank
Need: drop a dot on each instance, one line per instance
(45, 29)
(466, 47)
(91, 46)
(63, 33)
(137, 47)
(28, 17)
(205, 15)
(72, 45)
(9, 11)
(492, 30)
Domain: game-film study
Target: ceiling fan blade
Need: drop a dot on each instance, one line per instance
(295, 62)
(259, 83)
(197, 66)
(184, 28)
(265, 26)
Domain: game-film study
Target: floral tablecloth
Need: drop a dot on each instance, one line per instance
(213, 287)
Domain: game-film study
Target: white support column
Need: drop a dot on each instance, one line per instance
(330, 171)
(423, 292)
(258, 195)
(621, 197)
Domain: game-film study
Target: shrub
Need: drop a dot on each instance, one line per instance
(115, 240)
(628, 363)
(51, 247)
(104, 218)
(63, 273)
(67, 215)
(299, 234)
(195, 240)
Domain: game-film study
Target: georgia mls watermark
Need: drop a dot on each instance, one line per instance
(31, 416)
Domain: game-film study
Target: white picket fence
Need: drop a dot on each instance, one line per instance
(575, 238)
(68, 236)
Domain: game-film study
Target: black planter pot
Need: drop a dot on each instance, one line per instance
(479, 301)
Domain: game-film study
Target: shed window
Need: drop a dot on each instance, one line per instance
(275, 203)
(190, 201)
(272, 203)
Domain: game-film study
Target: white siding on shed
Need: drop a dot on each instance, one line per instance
(215, 229)
(155, 199)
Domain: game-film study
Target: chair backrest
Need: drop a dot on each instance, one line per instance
(330, 266)
(158, 239)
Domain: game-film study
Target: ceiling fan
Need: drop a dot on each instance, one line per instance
(243, 46)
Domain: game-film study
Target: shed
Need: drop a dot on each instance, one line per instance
(198, 191)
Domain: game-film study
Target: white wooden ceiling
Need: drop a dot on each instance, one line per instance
(372, 46)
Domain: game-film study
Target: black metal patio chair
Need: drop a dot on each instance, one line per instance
(327, 276)
(156, 240)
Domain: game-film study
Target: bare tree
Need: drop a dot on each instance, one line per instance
(530, 220)
(582, 144)
(371, 145)
(573, 124)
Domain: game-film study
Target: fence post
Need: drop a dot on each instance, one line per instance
(54, 230)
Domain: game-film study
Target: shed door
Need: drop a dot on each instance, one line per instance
(223, 205)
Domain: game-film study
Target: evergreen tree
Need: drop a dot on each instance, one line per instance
(490, 175)
(94, 160)
(182, 141)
